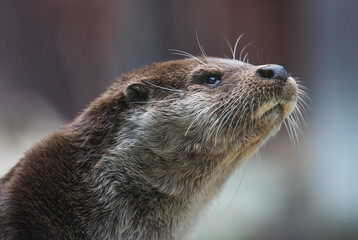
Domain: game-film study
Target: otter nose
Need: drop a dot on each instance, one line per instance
(273, 72)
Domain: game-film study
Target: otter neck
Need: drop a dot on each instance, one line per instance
(132, 192)
(135, 186)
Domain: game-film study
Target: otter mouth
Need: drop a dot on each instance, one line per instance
(284, 105)
(268, 109)
(273, 110)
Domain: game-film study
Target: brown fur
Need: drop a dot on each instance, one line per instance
(139, 162)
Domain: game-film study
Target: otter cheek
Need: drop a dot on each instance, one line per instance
(290, 93)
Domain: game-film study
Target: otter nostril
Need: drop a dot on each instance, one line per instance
(266, 73)
(273, 72)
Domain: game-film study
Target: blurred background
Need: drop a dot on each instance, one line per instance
(58, 55)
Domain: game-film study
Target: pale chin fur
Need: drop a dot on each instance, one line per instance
(287, 105)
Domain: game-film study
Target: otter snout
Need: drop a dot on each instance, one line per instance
(272, 72)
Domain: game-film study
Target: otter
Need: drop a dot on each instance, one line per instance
(145, 158)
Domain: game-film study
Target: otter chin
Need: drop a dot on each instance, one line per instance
(146, 157)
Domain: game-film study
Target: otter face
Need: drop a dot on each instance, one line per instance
(196, 111)
(248, 104)
(220, 103)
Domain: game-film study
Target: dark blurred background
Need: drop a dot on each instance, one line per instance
(58, 55)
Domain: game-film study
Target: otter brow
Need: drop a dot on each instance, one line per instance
(201, 75)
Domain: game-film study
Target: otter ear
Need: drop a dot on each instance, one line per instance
(136, 92)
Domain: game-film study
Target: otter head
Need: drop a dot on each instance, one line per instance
(200, 118)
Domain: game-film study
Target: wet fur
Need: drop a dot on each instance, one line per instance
(143, 159)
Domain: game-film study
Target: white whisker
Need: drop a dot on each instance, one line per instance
(231, 50)
(185, 54)
(242, 51)
(164, 88)
(236, 43)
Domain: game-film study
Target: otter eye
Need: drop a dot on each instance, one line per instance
(208, 78)
(212, 80)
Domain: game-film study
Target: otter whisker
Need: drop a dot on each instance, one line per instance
(201, 47)
(226, 112)
(301, 108)
(204, 111)
(296, 128)
(242, 51)
(239, 110)
(263, 92)
(236, 43)
(246, 55)
(227, 102)
(285, 122)
(243, 116)
(300, 115)
(259, 102)
(213, 127)
(216, 109)
(293, 126)
(164, 88)
(304, 90)
(304, 98)
(229, 109)
(155, 101)
(197, 117)
(252, 111)
(242, 100)
(259, 58)
(252, 106)
(292, 129)
(224, 118)
(231, 50)
(186, 54)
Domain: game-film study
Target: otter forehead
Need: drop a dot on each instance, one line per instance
(226, 63)
(185, 66)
